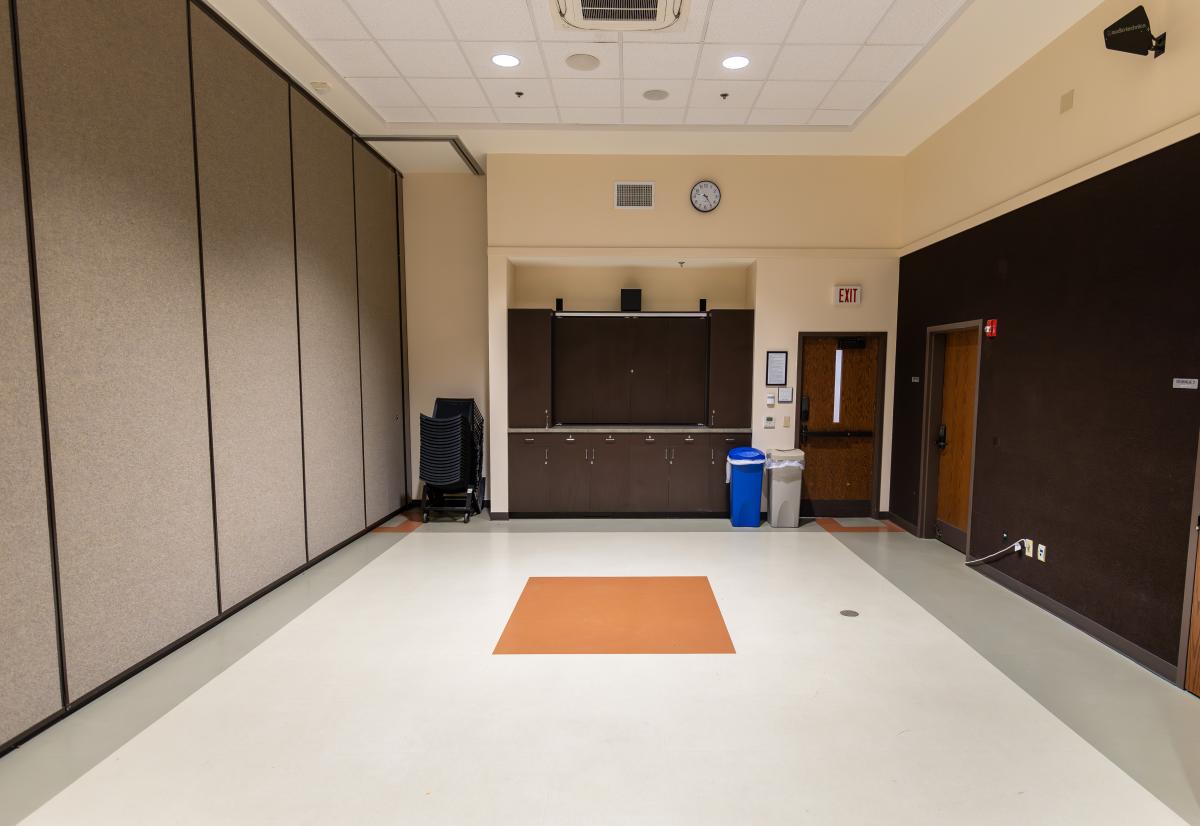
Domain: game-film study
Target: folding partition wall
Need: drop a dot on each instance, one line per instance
(200, 352)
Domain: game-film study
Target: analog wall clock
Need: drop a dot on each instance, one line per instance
(706, 196)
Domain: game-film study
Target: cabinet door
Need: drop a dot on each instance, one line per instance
(718, 489)
(730, 367)
(529, 368)
(649, 474)
(690, 464)
(528, 473)
(612, 356)
(687, 371)
(608, 484)
(573, 366)
(568, 474)
(651, 371)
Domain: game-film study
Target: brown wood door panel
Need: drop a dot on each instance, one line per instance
(960, 374)
(609, 473)
(719, 445)
(689, 464)
(612, 356)
(649, 475)
(573, 367)
(529, 336)
(528, 473)
(568, 474)
(730, 367)
(687, 371)
(651, 371)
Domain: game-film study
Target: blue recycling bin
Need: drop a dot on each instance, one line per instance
(745, 486)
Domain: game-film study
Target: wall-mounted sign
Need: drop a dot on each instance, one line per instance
(1186, 384)
(776, 368)
(847, 294)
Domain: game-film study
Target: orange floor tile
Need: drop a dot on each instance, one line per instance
(833, 526)
(616, 615)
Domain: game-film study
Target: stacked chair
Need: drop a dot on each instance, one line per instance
(452, 459)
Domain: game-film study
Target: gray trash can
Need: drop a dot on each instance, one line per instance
(785, 471)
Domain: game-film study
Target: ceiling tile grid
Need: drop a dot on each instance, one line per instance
(817, 64)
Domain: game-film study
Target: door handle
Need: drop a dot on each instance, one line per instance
(804, 434)
(804, 408)
(941, 438)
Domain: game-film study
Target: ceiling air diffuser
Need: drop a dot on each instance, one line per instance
(619, 15)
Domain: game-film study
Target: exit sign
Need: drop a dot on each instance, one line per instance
(847, 294)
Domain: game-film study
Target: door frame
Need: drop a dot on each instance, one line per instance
(880, 398)
(1191, 599)
(935, 350)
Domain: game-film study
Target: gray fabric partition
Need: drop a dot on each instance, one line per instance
(242, 138)
(114, 201)
(379, 317)
(329, 355)
(29, 685)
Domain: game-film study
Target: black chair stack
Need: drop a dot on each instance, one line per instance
(452, 459)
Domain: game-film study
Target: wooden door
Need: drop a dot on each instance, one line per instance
(568, 473)
(689, 465)
(685, 400)
(612, 360)
(718, 489)
(650, 371)
(730, 368)
(573, 366)
(529, 368)
(955, 436)
(608, 483)
(840, 396)
(528, 473)
(649, 474)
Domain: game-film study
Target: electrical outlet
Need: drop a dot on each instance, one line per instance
(1041, 552)
(1028, 543)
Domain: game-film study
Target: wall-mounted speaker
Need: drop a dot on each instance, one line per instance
(558, 305)
(631, 301)
(704, 305)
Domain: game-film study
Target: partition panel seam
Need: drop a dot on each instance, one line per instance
(299, 348)
(39, 357)
(212, 469)
(362, 413)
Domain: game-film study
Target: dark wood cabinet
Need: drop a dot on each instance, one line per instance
(609, 472)
(690, 465)
(730, 368)
(529, 473)
(718, 489)
(529, 347)
(668, 378)
(649, 475)
(568, 475)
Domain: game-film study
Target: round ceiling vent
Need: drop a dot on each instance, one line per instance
(583, 62)
(656, 94)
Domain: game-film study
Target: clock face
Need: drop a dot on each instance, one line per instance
(705, 196)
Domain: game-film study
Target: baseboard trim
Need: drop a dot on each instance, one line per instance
(614, 515)
(113, 682)
(497, 516)
(1149, 661)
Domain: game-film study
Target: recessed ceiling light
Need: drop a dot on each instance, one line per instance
(736, 62)
(506, 61)
(656, 94)
(583, 62)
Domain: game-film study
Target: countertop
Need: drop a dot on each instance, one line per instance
(623, 428)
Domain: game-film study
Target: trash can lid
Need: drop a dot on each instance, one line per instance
(746, 456)
(785, 453)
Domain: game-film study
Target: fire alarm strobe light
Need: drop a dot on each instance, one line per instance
(1132, 34)
(992, 328)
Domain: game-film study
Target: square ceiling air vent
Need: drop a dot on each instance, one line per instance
(619, 15)
(633, 195)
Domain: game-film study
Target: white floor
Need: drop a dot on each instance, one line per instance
(382, 703)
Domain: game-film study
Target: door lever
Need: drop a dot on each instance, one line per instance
(804, 408)
(941, 438)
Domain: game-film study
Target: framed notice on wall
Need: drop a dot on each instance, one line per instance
(776, 368)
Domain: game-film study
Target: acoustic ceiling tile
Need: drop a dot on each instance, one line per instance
(654, 116)
(739, 93)
(780, 117)
(480, 55)
(793, 94)
(691, 30)
(427, 58)
(837, 21)
(587, 92)
(761, 59)
(853, 94)
(321, 19)
(535, 93)
(914, 21)
(449, 92)
(813, 61)
(834, 117)
(384, 91)
(355, 58)
(589, 115)
(765, 21)
(716, 115)
(461, 115)
(551, 30)
(881, 62)
(405, 114)
(677, 93)
(609, 55)
(660, 60)
(528, 115)
(491, 20)
(409, 20)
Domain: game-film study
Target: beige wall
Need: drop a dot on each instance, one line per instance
(1014, 144)
(664, 289)
(783, 202)
(445, 255)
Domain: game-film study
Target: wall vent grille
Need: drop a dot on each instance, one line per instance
(633, 195)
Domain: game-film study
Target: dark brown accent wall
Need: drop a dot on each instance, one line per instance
(323, 176)
(379, 317)
(29, 680)
(1083, 445)
(242, 145)
(119, 275)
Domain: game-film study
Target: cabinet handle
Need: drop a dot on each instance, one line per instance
(570, 438)
(689, 438)
(547, 459)
(528, 440)
(649, 438)
(712, 455)
(730, 439)
(666, 454)
(712, 419)
(609, 439)
(547, 412)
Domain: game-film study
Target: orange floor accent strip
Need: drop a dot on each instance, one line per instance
(616, 615)
(403, 527)
(834, 526)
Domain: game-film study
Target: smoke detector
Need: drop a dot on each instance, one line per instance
(619, 15)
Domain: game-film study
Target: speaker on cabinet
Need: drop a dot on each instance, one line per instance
(704, 305)
(558, 305)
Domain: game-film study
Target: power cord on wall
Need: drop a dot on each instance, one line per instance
(1014, 548)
